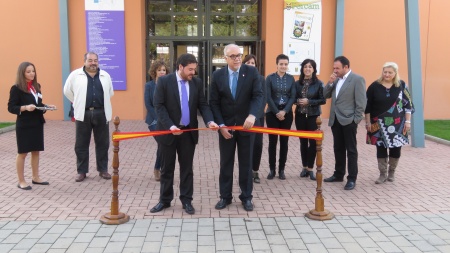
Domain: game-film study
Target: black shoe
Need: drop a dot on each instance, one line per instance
(159, 207)
(188, 208)
(223, 203)
(281, 175)
(350, 185)
(304, 173)
(271, 174)
(41, 183)
(248, 206)
(256, 178)
(333, 179)
(27, 188)
(311, 175)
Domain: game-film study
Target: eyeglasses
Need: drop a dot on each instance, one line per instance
(388, 94)
(235, 56)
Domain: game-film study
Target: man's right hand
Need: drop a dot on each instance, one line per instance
(175, 130)
(332, 78)
(225, 133)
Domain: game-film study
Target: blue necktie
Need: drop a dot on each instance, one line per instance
(234, 84)
(185, 119)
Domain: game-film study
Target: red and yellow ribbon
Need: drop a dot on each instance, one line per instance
(316, 135)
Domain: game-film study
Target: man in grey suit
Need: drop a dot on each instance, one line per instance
(347, 91)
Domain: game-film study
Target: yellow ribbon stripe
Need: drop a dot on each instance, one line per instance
(316, 135)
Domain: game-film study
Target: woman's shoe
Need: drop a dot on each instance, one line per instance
(281, 175)
(24, 188)
(304, 173)
(41, 183)
(311, 175)
(271, 174)
(256, 177)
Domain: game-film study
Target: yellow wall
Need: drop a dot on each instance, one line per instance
(374, 32)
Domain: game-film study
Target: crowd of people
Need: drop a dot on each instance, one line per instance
(238, 96)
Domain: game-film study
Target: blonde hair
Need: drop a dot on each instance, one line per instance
(393, 66)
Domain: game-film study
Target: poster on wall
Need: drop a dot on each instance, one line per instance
(105, 34)
(302, 33)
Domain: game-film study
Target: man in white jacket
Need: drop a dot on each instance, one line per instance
(90, 90)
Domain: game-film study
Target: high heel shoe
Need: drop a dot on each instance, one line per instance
(311, 175)
(304, 173)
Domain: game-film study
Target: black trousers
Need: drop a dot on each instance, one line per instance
(244, 144)
(94, 122)
(273, 122)
(307, 146)
(344, 144)
(158, 150)
(258, 145)
(184, 147)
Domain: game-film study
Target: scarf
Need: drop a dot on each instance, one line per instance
(30, 87)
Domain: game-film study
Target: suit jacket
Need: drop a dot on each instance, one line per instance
(166, 101)
(25, 119)
(151, 117)
(351, 101)
(249, 96)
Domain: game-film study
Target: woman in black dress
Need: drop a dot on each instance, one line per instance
(309, 90)
(388, 119)
(24, 97)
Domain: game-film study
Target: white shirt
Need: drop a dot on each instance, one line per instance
(341, 82)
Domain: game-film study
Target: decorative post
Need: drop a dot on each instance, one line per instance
(115, 217)
(319, 213)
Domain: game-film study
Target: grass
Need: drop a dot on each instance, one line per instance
(5, 124)
(438, 128)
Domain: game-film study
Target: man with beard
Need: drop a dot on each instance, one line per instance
(177, 97)
(90, 90)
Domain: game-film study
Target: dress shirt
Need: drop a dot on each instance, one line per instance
(340, 82)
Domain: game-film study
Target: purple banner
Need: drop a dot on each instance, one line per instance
(106, 37)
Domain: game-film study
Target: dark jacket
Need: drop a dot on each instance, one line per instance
(249, 96)
(315, 97)
(25, 119)
(274, 94)
(151, 118)
(166, 101)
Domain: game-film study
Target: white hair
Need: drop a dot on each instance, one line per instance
(225, 49)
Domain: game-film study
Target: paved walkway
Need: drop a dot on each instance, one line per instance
(411, 214)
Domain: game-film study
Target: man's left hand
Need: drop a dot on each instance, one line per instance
(213, 126)
(249, 122)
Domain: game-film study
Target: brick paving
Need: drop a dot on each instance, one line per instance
(411, 214)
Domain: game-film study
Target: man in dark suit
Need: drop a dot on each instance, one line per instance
(235, 98)
(347, 91)
(177, 98)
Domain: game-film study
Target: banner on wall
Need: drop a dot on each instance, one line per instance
(302, 33)
(105, 34)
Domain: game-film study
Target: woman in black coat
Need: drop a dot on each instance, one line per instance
(24, 98)
(309, 97)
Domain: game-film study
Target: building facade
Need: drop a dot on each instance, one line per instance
(374, 32)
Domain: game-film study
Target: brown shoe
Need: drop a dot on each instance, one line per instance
(105, 175)
(80, 177)
(157, 174)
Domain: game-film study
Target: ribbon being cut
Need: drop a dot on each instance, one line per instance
(316, 135)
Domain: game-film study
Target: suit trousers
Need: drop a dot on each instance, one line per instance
(307, 146)
(244, 144)
(94, 121)
(273, 122)
(184, 147)
(258, 145)
(344, 144)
